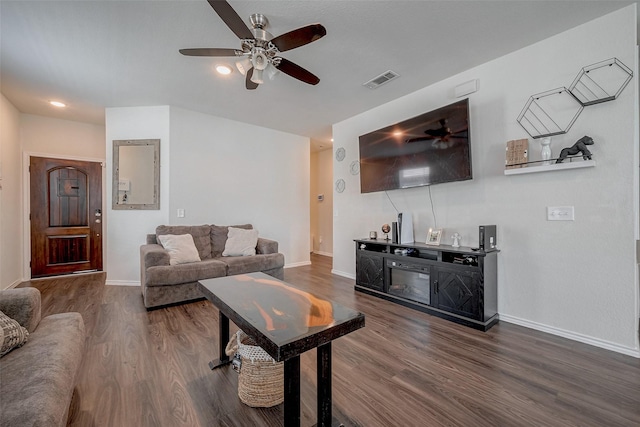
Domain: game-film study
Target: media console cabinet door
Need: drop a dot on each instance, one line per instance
(458, 291)
(370, 270)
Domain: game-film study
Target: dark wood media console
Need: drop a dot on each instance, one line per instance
(458, 284)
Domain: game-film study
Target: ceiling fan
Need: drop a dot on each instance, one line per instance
(260, 51)
(442, 136)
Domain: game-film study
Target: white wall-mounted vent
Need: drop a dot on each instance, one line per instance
(383, 78)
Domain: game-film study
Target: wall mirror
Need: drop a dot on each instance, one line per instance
(136, 174)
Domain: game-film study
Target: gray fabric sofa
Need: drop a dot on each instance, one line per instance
(164, 284)
(37, 380)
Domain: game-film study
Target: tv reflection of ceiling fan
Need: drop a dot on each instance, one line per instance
(442, 137)
(260, 51)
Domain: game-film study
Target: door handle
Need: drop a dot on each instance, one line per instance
(435, 284)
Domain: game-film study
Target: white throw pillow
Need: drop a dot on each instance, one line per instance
(181, 248)
(240, 242)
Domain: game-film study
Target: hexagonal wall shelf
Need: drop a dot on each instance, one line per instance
(600, 82)
(550, 113)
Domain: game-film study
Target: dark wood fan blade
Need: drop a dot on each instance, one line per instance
(231, 18)
(213, 51)
(248, 83)
(297, 72)
(299, 37)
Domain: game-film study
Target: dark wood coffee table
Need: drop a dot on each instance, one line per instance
(285, 321)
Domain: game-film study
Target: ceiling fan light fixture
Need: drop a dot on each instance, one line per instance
(244, 65)
(257, 76)
(271, 71)
(260, 60)
(223, 69)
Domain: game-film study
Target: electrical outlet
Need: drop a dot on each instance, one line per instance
(560, 213)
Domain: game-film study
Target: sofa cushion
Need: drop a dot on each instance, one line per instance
(200, 234)
(166, 275)
(12, 335)
(240, 242)
(219, 237)
(252, 264)
(38, 379)
(181, 248)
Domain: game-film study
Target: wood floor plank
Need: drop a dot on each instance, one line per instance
(405, 368)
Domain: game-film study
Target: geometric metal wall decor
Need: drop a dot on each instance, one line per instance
(601, 82)
(555, 111)
(550, 113)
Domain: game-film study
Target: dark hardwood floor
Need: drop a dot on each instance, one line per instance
(405, 368)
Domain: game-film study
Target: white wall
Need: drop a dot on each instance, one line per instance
(226, 172)
(126, 230)
(322, 176)
(576, 279)
(10, 196)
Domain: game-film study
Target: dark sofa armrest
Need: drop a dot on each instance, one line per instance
(266, 246)
(23, 305)
(153, 255)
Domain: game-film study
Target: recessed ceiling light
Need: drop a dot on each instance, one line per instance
(57, 104)
(223, 69)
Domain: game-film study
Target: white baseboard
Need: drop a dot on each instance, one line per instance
(572, 335)
(297, 264)
(329, 254)
(343, 274)
(14, 284)
(122, 283)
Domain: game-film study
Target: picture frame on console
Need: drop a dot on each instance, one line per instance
(433, 236)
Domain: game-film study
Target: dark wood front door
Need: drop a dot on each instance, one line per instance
(66, 216)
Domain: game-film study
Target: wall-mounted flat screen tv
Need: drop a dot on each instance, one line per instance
(431, 148)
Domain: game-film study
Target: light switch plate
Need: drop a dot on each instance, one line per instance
(560, 213)
(180, 213)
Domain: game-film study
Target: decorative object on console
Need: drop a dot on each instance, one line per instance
(394, 232)
(385, 230)
(456, 240)
(340, 154)
(517, 153)
(433, 236)
(373, 235)
(545, 150)
(579, 147)
(405, 226)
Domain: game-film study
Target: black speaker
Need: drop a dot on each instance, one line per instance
(487, 239)
(394, 232)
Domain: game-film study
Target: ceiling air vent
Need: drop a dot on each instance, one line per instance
(383, 78)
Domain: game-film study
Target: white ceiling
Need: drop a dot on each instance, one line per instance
(99, 54)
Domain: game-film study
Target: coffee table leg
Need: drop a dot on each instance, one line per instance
(292, 392)
(223, 334)
(323, 373)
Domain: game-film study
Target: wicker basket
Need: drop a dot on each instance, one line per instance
(261, 378)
